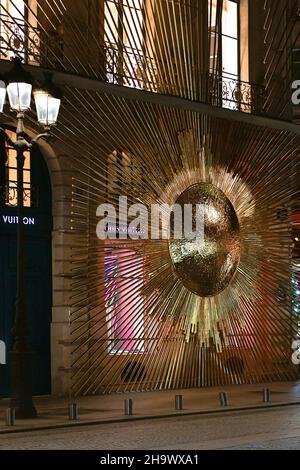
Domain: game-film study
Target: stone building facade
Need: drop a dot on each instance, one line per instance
(155, 90)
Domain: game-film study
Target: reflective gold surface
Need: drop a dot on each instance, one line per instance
(206, 267)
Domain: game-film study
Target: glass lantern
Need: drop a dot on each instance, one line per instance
(19, 95)
(47, 107)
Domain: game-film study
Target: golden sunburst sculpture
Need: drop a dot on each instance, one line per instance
(212, 277)
(160, 313)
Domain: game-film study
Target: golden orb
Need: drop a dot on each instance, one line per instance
(205, 265)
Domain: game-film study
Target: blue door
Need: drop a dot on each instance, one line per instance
(38, 267)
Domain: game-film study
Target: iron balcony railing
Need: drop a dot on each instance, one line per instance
(130, 67)
(8, 195)
(32, 44)
(126, 66)
(229, 92)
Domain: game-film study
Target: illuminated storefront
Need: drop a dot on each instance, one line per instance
(158, 96)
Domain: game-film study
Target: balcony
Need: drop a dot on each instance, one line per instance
(132, 69)
(127, 67)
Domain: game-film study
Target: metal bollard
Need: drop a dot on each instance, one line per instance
(266, 395)
(10, 416)
(223, 399)
(73, 411)
(178, 402)
(128, 406)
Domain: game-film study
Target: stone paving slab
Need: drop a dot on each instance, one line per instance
(53, 411)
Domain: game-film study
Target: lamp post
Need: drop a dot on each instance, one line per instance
(47, 101)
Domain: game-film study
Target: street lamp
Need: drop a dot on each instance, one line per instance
(47, 99)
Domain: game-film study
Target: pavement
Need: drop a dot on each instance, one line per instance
(53, 412)
(263, 429)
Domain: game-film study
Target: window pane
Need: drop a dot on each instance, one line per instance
(133, 25)
(214, 39)
(16, 8)
(27, 161)
(229, 12)
(26, 177)
(111, 39)
(230, 56)
(212, 12)
(133, 41)
(230, 19)
(111, 22)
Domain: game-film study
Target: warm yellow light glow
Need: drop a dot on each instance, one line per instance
(11, 167)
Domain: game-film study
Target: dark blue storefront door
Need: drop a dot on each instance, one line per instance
(38, 277)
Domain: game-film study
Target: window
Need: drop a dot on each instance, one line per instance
(10, 176)
(224, 38)
(123, 35)
(124, 174)
(124, 301)
(124, 268)
(230, 46)
(225, 49)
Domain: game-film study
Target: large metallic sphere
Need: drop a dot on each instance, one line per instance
(206, 267)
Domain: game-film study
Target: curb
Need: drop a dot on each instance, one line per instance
(213, 411)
